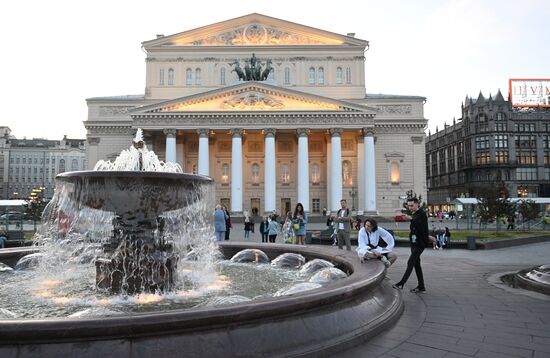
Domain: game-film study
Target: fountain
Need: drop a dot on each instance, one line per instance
(139, 221)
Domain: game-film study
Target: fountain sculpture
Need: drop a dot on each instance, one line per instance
(136, 218)
(138, 189)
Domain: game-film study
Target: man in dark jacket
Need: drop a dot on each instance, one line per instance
(418, 238)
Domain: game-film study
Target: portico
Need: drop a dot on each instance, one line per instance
(276, 113)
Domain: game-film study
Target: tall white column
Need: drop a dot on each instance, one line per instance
(303, 168)
(336, 168)
(370, 171)
(270, 176)
(204, 156)
(237, 171)
(170, 145)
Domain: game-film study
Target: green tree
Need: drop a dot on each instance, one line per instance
(493, 204)
(409, 195)
(529, 210)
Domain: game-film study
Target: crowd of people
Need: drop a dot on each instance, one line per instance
(374, 242)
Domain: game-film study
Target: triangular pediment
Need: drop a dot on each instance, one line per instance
(254, 30)
(252, 96)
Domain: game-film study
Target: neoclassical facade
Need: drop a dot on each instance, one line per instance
(306, 131)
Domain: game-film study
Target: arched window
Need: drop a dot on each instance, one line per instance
(198, 78)
(285, 173)
(222, 76)
(255, 173)
(311, 79)
(348, 74)
(74, 165)
(346, 173)
(339, 75)
(287, 76)
(171, 77)
(321, 76)
(161, 77)
(315, 173)
(61, 165)
(395, 172)
(225, 173)
(188, 77)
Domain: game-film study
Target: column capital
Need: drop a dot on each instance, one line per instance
(417, 139)
(368, 131)
(336, 132)
(169, 132)
(302, 132)
(203, 132)
(270, 132)
(236, 132)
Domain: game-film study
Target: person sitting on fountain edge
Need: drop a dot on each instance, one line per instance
(375, 243)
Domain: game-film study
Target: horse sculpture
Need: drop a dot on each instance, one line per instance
(267, 70)
(238, 70)
(257, 75)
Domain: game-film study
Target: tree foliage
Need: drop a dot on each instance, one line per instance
(411, 194)
(494, 203)
(528, 209)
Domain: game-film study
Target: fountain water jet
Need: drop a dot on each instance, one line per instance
(138, 190)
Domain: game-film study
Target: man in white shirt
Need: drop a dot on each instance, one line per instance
(375, 243)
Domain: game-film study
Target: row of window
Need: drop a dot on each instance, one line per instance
(316, 76)
(522, 174)
(314, 172)
(74, 166)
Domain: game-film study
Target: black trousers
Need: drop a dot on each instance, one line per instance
(414, 261)
(264, 237)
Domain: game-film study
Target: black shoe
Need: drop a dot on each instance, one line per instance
(418, 290)
(397, 286)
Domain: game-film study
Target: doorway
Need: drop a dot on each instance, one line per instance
(285, 206)
(255, 206)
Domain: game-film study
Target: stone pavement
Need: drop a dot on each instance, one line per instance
(466, 311)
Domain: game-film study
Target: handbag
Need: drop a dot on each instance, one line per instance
(296, 226)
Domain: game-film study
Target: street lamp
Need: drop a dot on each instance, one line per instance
(352, 193)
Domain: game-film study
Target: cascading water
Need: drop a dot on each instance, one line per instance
(135, 217)
(135, 235)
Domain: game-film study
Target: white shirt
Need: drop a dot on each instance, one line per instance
(365, 238)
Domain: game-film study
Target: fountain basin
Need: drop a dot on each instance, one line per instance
(312, 323)
(534, 279)
(149, 193)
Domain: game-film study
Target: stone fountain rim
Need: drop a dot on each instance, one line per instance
(363, 277)
(67, 176)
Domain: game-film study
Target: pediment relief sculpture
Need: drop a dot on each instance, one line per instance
(258, 34)
(252, 101)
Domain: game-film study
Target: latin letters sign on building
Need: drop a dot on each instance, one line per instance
(530, 92)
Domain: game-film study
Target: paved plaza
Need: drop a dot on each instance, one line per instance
(466, 311)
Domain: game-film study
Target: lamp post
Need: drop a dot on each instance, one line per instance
(352, 193)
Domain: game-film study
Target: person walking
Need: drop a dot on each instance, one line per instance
(273, 229)
(227, 222)
(219, 223)
(342, 222)
(264, 229)
(299, 221)
(247, 227)
(375, 242)
(418, 238)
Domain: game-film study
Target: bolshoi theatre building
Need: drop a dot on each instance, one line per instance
(276, 113)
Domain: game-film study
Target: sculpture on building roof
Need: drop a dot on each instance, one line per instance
(253, 70)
